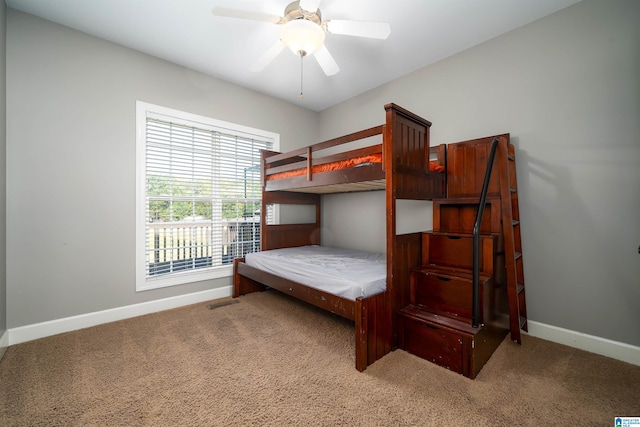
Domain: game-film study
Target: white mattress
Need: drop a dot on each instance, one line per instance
(344, 272)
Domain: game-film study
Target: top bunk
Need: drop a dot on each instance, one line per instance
(395, 157)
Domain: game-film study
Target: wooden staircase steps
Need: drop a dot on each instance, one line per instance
(438, 322)
(466, 167)
(455, 250)
(450, 343)
(437, 325)
(448, 292)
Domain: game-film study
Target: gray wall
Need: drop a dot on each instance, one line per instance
(567, 88)
(71, 163)
(3, 181)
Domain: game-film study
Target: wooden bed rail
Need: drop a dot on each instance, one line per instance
(274, 162)
(294, 154)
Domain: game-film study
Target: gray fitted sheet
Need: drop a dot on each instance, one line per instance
(344, 272)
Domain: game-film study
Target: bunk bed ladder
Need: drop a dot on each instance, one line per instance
(512, 239)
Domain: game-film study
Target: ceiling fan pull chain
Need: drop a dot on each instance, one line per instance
(302, 55)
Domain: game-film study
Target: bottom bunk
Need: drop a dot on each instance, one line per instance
(362, 301)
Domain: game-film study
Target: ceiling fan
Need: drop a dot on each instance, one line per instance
(303, 31)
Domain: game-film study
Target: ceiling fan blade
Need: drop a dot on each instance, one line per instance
(243, 14)
(310, 5)
(268, 56)
(326, 61)
(374, 30)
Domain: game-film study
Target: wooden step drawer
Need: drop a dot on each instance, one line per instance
(440, 346)
(456, 251)
(446, 294)
(447, 342)
(459, 215)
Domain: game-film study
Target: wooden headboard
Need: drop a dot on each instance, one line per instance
(276, 236)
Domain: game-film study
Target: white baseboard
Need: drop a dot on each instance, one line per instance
(605, 347)
(53, 327)
(616, 350)
(4, 343)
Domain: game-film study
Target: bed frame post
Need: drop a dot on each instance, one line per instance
(373, 331)
(406, 161)
(243, 285)
(362, 328)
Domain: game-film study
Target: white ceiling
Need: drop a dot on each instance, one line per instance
(185, 32)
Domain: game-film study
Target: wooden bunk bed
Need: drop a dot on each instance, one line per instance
(402, 164)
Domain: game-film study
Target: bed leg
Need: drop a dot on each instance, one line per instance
(373, 330)
(243, 285)
(361, 319)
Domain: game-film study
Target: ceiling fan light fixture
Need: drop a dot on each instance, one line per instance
(302, 35)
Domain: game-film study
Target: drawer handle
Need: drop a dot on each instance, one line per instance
(454, 237)
(426, 325)
(444, 279)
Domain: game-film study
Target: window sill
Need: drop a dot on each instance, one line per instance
(175, 279)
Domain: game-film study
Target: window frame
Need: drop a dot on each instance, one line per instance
(144, 110)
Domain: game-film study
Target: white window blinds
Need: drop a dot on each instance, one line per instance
(201, 195)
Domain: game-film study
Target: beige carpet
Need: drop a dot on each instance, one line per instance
(270, 360)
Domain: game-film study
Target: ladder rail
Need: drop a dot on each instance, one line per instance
(476, 236)
(512, 245)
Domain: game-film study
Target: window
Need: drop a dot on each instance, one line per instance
(198, 195)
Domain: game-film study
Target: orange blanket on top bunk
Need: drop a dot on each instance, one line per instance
(342, 164)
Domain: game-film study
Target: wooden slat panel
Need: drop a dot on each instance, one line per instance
(278, 236)
(373, 329)
(410, 161)
(466, 166)
(290, 198)
(407, 254)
